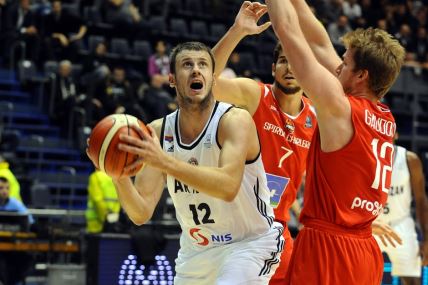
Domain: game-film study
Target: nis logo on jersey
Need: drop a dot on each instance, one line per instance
(289, 136)
(373, 207)
(203, 240)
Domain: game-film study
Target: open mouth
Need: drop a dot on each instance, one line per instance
(196, 85)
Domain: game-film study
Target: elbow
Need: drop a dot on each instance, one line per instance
(229, 196)
(139, 220)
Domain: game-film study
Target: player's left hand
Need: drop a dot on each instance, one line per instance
(148, 148)
(248, 16)
(386, 234)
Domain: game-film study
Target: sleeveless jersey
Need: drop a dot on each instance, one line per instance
(349, 187)
(285, 144)
(206, 221)
(400, 193)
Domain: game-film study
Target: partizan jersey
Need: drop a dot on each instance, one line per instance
(349, 187)
(285, 144)
(207, 221)
(400, 192)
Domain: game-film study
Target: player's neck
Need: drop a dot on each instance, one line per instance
(193, 121)
(290, 104)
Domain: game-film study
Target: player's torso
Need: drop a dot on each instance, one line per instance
(349, 186)
(285, 144)
(400, 192)
(207, 221)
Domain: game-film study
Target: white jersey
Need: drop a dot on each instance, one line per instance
(206, 221)
(400, 194)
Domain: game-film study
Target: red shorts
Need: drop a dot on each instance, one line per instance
(329, 254)
(279, 277)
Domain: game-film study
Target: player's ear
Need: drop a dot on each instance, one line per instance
(171, 80)
(364, 74)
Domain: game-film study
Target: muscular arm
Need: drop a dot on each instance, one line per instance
(417, 181)
(321, 86)
(242, 92)
(316, 36)
(139, 200)
(237, 136)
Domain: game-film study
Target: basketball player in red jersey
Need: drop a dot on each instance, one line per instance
(350, 157)
(284, 119)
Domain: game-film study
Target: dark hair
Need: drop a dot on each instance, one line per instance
(4, 179)
(276, 52)
(196, 46)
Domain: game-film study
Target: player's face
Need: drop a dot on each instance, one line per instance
(345, 72)
(284, 78)
(4, 190)
(193, 78)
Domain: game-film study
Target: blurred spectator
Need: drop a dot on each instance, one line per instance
(334, 10)
(421, 45)
(238, 66)
(64, 32)
(103, 205)
(156, 100)
(14, 266)
(403, 16)
(68, 99)
(117, 95)
(21, 26)
(125, 17)
(96, 65)
(352, 10)
(404, 36)
(14, 187)
(338, 29)
(158, 64)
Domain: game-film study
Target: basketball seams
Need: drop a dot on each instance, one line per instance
(118, 123)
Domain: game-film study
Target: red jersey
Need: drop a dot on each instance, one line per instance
(285, 142)
(344, 193)
(349, 187)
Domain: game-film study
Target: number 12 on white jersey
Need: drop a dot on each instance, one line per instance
(381, 169)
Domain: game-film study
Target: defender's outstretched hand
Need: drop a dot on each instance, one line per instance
(248, 16)
(386, 234)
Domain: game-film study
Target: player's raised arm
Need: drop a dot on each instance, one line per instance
(321, 86)
(317, 36)
(243, 92)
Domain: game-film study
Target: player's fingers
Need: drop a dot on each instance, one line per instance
(264, 26)
(134, 165)
(383, 240)
(390, 240)
(152, 132)
(260, 13)
(130, 140)
(246, 4)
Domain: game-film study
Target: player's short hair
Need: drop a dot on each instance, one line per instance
(196, 46)
(277, 51)
(377, 52)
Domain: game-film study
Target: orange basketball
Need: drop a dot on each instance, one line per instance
(103, 141)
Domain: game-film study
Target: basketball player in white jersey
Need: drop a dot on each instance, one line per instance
(407, 179)
(209, 155)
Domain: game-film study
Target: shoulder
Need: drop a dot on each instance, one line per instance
(157, 126)
(236, 116)
(412, 158)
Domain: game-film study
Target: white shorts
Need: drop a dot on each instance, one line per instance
(249, 262)
(405, 258)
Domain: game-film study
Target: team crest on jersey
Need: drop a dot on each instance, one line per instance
(308, 122)
(193, 161)
(289, 125)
